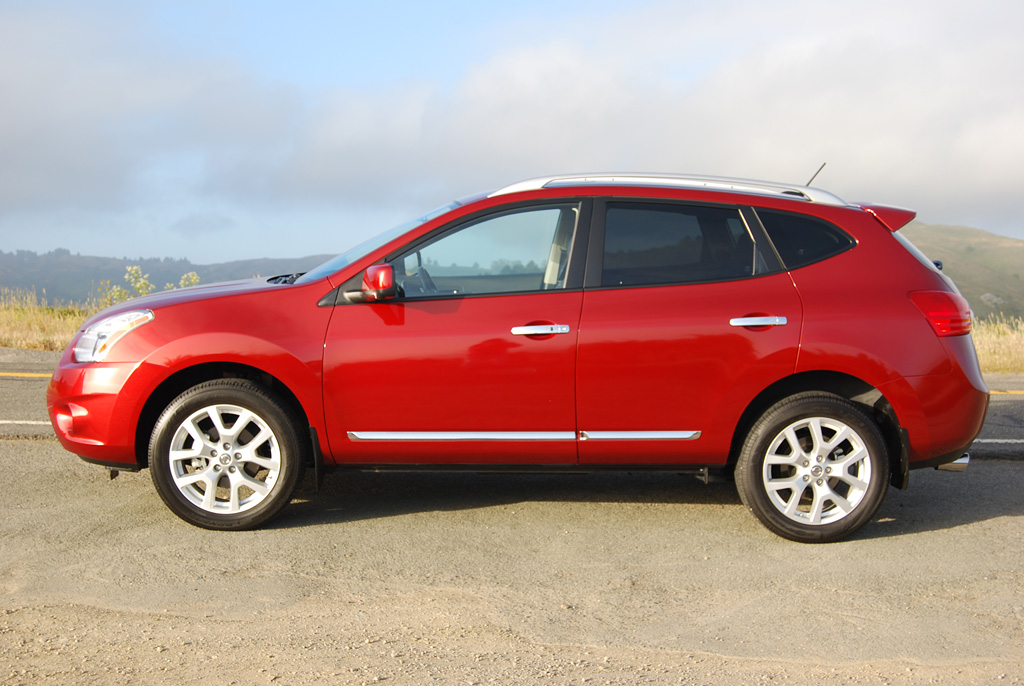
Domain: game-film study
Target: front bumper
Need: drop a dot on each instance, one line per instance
(93, 411)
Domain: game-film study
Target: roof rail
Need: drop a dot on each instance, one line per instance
(711, 183)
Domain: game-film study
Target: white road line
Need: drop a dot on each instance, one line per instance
(999, 440)
(4, 421)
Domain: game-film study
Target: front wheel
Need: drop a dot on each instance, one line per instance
(226, 455)
(813, 468)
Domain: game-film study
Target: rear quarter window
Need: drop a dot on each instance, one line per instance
(665, 243)
(801, 240)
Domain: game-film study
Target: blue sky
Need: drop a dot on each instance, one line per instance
(225, 129)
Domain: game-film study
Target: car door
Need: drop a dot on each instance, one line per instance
(474, 360)
(686, 317)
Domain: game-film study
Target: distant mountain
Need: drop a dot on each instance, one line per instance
(986, 267)
(64, 277)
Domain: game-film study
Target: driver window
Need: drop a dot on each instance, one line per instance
(514, 251)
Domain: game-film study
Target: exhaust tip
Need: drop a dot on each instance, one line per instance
(958, 465)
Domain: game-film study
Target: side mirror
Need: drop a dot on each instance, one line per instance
(378, 283)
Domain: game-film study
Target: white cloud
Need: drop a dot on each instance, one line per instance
(204, 224)
(89, 111)
(909, 103)
(912, 103)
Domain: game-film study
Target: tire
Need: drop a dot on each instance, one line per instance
(226, 455)
(814, 468)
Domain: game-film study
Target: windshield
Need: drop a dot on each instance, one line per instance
(351, 255)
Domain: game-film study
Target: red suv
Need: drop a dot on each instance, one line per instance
(771, 332)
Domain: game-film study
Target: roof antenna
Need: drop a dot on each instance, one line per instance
(816, 174)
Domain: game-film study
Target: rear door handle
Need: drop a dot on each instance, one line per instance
(540, 329)
(758, 321)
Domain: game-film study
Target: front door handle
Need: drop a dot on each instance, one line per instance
(540, 329)
(758, 321)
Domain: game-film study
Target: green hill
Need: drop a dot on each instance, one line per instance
(69, 278)
(987, 268)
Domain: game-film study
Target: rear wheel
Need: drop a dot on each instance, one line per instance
(814, 468)
(226, 455)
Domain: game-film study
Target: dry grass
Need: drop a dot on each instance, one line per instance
(1000, 344)
(27, 322)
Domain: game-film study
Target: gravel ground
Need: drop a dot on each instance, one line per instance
(493, 579)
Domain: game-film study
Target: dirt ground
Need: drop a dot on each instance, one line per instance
(497, 579)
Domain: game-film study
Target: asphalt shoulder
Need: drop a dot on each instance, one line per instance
(28, 361)
(1004, 382)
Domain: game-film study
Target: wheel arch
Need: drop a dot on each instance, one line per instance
(182, 380)
(846, 386)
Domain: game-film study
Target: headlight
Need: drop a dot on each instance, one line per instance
(100, 337)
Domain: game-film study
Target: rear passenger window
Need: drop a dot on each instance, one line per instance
(654, 243)
(801, 240)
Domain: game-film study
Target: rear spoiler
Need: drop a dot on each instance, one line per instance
(892, 218)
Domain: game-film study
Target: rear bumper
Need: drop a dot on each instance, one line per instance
(941, 414)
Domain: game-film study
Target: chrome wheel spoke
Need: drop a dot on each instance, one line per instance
(261, 462)
(794, 483)
(791, 459)
(241, 422)
(791, 506)
(234, 504)
(186, 455)
(262, 437)
(843, 464)
(210, 495)
(215, 416)
(816, 508)
(189, 479)
(855, 483)
(837, 440)
(252, 484)
(842, 503)
(817, 440)
(199, 438)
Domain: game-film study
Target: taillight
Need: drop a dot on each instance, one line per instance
(947, 312)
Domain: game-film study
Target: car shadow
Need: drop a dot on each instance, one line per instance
(354, 496)
(945, 500)
(934, 501)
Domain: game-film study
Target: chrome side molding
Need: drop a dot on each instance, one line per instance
(522, 435)
(639, 435)
(462, 435)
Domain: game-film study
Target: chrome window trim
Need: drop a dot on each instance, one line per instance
(639, 435)
(462, 435)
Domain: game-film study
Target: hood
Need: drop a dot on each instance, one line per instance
(178, 296)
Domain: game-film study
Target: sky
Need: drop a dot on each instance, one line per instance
(236, 129)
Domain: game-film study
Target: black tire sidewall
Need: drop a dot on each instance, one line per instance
(244, 394)
(749, 466)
